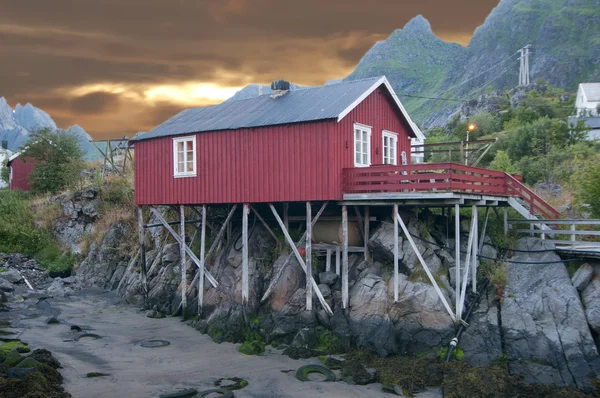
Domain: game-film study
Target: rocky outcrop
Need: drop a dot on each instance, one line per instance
(545, 331)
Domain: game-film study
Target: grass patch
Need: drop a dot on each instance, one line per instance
(96, 374)
(497, 274)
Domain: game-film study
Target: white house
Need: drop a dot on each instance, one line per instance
(4, 155)
(588, 99)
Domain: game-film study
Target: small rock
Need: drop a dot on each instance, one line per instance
(91, 209)
(69, 280)
(328, 278)
(52, 321)
(151, 314)
(325, 290)
(582, 277)
(57, 288)
(89, 193)
(6, 286)
(12, 276)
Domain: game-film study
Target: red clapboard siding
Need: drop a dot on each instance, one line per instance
(294, 162)
(20, 170)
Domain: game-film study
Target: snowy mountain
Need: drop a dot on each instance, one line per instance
(17, 124)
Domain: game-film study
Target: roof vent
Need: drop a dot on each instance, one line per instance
(279, 88)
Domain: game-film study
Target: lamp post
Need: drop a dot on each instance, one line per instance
(470, 128)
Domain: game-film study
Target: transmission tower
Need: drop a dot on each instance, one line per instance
(524, 68)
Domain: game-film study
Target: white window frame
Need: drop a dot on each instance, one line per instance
(176, 172)
(391, 136)
(367, 129)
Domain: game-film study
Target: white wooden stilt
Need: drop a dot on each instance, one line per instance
(367, 233)
(425, 267)
(474, 259)
(466, 268)
(338, 260)
(396, 257)
(309, 292)
(344, 256)
(202, 262)
(328, 261)
(183, 262)
(142, 240)
(245, 212)
(300, 259)
(457, 258)
(484, 230)
(189, 251)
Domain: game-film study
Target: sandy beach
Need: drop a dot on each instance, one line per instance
(192, 360)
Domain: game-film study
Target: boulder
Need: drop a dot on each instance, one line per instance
(292, 277)
(6, 286)
(12, 276)
(481, 341)
(328, 278)
(546, 336)
(591, 301)
(57, 288)
(91, 209)
(381, 244)
(582, 277)
(420, 318)
(171, 253)
(325, 291)
(369, 321)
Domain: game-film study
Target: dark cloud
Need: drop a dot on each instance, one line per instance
(95, 102)
(51, 48)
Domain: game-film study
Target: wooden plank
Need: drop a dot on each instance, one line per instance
(367, 233)
(396, 257)
(309, 277)
(344, 256)
(300, 260)
(337, 260)
(202, 260)
(474, 264)
(328, 261)
(332, 246)
(183, 262)
(189, 251)
(556, 222)
(142, 240)
(425, 267)
(300, 242)
(457, 258)
(245, 212)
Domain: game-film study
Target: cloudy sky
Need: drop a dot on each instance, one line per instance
(117, 67)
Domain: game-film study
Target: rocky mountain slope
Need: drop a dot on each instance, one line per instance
(17, 124)
(564, 34)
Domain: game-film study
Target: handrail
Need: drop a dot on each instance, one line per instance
(449, 177)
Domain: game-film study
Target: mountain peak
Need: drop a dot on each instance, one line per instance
(418, 24)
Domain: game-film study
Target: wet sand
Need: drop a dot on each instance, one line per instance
(192, 360)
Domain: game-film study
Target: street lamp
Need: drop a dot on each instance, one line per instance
(470, 128)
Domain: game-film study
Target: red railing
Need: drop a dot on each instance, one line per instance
(441, 177)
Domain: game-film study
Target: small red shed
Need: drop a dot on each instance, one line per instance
(288, 146)
(19, 170)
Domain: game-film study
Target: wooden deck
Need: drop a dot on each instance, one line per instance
(448, 183)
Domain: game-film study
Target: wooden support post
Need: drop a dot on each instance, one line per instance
(485, 223)
(286, 216)
(229, 229)
(468, 258)
(572, 229)
(474, 260)
(142, 236)
(202, 262)
(367, 232)
(245, 212)
(337, 261)
(506, 221)
(299, 258)
(425, 267)
(189, 251)
(344, 256)
(457, 257)
(396, 257)
(309, 277)
(269, 230)
(328, 261)
(183, 262)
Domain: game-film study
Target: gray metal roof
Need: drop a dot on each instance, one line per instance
(301, 105)
(592, 122)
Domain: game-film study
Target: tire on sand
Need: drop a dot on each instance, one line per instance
(304, 371)
(224, 393)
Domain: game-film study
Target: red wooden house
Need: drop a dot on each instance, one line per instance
(19, 170)
(348, 143)
(287, 147)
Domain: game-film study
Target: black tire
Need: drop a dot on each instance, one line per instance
(188, 393)
(304, 371)
(238, 383)
(92, 335)
(154, 343)
(224, 393)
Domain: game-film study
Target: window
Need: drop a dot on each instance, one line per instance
(184, 157)
(390, 145)
(362, 145)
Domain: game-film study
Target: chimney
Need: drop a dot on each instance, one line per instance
(279, 88)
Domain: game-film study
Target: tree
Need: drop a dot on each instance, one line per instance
(58, 160)
(4, 172)
(502, 162)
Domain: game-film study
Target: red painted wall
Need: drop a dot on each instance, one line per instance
(286, 163)
(20, 170)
